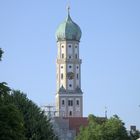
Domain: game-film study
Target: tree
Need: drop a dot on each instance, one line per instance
(1, 52)
(4, 92)
(93, 131)
(103, 129)
(11, 123)
(134, 134)
(114, 129)
(11, 120)
(37, 125)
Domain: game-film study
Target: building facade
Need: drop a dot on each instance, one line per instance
(69, 96)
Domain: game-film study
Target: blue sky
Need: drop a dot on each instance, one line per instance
(109, 48)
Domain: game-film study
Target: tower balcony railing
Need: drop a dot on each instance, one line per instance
(65, 60)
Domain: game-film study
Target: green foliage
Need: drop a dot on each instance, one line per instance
(103, 129)
(1, 52)
(4, 93)
(11, 123)
(20, 118)
(11, 120)
(134, 135)
(37, 126)
(114, 129)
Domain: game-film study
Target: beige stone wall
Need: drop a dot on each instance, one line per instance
(68, 61)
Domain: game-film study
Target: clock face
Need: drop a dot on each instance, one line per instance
(70, 75)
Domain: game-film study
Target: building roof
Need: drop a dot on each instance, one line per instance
(68, 30)
(76, 122)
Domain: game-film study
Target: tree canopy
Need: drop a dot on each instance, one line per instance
(1, 52)
(11, 119)
(134, 135)
(37, 125)
(103, 129)
(22, 119)
(11, 123)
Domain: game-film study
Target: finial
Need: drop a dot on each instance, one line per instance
(68, 8)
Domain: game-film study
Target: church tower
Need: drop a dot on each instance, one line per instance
(69, 96)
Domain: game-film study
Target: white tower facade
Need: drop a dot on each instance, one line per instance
(69, 96)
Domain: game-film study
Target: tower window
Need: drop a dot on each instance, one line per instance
(62, 55)
(63, 102)
(75, 55)
(70, 102)
(77, 75)
(61, 75)
(69, 46)
(70, 113)
(70, 85)
(61, 67)
(75, 46)
(62, 46)
(69, 57)
(69, 66)
(77, 67)
(77, 102)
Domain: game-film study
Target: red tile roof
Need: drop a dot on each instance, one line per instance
(76, 122)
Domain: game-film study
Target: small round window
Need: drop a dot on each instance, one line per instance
(70, 85)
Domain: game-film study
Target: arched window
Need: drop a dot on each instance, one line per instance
(77, 102)
(70, 102)
(77, 76)
(61, 75)
(62, 55)
(76, 56)
(70, 113)
(63, 102)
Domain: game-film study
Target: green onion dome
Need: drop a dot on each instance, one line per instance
(68, 30)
